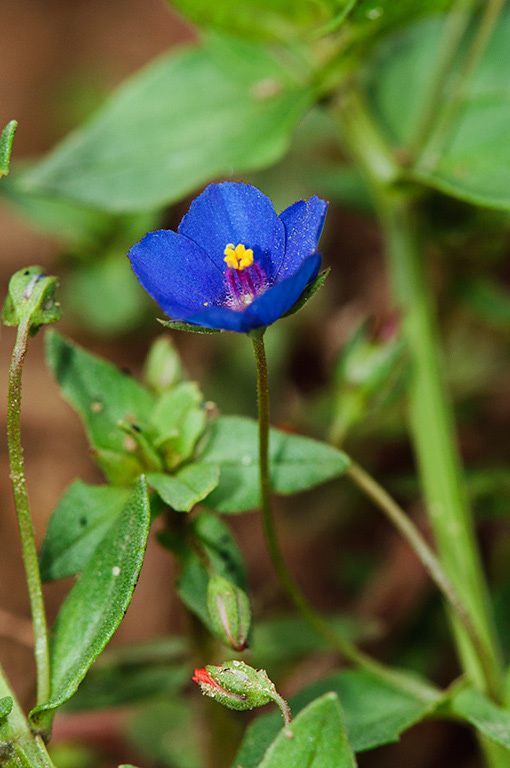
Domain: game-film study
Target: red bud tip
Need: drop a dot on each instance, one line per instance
(202, 676)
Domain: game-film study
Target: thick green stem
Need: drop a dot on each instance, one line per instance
(430, 411)
(314, 619)
(24, 518)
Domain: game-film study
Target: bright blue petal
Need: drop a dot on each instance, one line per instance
(303, 223)
(221, 317)
(235, 213)
(176, 273)
(282, 295)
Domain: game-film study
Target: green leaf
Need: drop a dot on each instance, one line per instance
(6, 704)
(273, 19)
(103, 395)
(187, 118)
(98, 601)
(471, 160)
(178, 420)
(187, 486)
(80, 521)
(223, 554)
(376, 712)
(297, 463)
(492, 721)
(316, 738)
(6, 139)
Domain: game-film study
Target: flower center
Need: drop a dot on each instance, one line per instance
(238, 256)
(244, 278)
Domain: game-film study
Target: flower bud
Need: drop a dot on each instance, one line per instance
(31, 299)
(236, 685)
(229, 610)
(163, 366)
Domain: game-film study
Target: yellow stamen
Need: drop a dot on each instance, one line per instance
(238, 256)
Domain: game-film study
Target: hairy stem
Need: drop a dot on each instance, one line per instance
(24, 518)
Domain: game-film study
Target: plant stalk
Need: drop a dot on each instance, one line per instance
(19, 487)
(382, 499)
(346, 649)
(430, 411)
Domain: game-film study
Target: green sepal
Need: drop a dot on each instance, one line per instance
(6, 138)
(307, 294)
(229, 610)
(237, 685)
(31, 299)
(177, 325)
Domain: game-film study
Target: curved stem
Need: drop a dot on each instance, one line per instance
(24, 518)
(382, 499)
(314, 619)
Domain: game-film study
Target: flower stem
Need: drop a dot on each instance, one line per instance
(314, 619)
(24, 518)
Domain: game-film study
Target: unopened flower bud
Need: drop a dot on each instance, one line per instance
(229, 609)
(31, 299)
(163, 366)
(236, 685)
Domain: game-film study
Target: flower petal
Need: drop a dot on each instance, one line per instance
(303, 223)
(235, 213)
(176, 273)
(282, 295)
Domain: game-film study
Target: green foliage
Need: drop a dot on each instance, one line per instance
(97, 603)
(465, 152)
(103, 396)
(492, 721)
(297, 463)
(316, 738)
(6, 139)
(218, 552)
(187, 486)
(178, 421)
(376, 712)
(6, 704)
(80, 521)
(271, 19)
(233, 106)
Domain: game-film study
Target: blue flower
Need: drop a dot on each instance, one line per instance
(234, 264)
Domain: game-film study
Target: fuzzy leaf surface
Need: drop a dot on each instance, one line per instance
(80, 521)
(97, 603)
